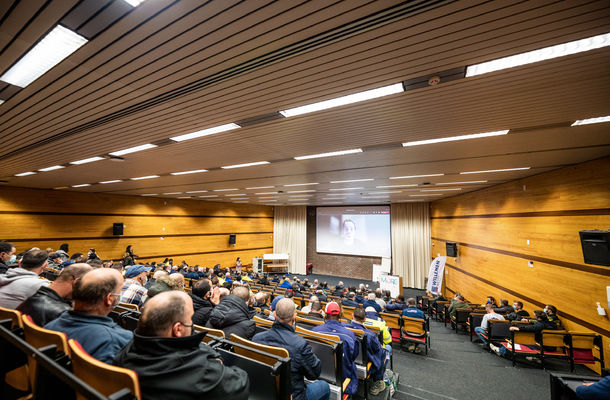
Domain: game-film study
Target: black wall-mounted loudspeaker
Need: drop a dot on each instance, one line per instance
(232, 238)
(451, 248)
(595, 247)
(117, 228)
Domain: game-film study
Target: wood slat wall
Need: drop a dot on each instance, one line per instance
(492, 228)
(195, 231)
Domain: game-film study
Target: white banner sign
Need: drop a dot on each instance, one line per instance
(391, 283)
(435, 276)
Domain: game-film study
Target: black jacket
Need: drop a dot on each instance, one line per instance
(44, 306)
(181, 368)
(203, 308)
(231, 315)
(3, 268)
(503, 309)
(517, 315)
(303, 362)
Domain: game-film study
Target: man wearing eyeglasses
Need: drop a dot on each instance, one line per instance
(95, 295)
(164, 345)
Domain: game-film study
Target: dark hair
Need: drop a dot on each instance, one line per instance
(78, 257)
(460, 297)
(6, 247)
(92, 293)
(493, 299)
(503, 302)
(201, 288)
(316, 305)
(155, 320)
(541, 315)
(411, 301)
(400, 297)
(520, 304)
(552, 308)
(128, 249)
(64, 247)
(95, 262)
(359, 313)
(351, 295)
(34, 259)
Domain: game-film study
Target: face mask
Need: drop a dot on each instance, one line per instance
(514, 307)
(488, 301)
(12, 259)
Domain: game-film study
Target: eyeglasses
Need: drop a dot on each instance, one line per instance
(187, 325)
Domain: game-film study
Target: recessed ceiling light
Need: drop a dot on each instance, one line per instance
(592, 121)
(81, 185)
(459, 183)
(246, 164)
(495, 170)
(197, 191)
(112, 181)
(354, 180)
(263, 193)
(303, 184)
(195, 171)
(349, 188)
(439, 190)
(205, 132)
(344, 100)
(50, 51)
(453, 138)
(225, 190)
(51, 168)
(170, 193)
(331, 154)
(134, 3)
(139, 178)
(87, 160)
(133, 149)
(26, 173)
(301, 191)
(235, 194)
(545, 53)
(149, 194)
(267, 201)
(396, 186)
(260, 187)
(415, 176)
(208, 195)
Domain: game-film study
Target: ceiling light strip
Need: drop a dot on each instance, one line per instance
(133, 149)
(246, 165)
(495, 170)
(454, 138)
(331, 154)
(588, 121)
(206, 132)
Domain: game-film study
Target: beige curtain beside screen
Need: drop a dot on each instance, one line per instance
(411, 242)
(290, 235)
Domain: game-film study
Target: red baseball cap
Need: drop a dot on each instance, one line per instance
(332, 308)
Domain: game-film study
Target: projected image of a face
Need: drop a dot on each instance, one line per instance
(348, 232)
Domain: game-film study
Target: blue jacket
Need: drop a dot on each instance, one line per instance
(303, 362)
(350, 351)
(360, 299)
(286, 285)
(192, 275)
(375, 352)
(98, 335)
(413, 312)
(349, 303)
(600, 390)
(372, 303)
(395, 306)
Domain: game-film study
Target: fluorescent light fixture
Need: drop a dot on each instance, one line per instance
(340, 194)
(205, 132)
(246, 165)
(453, 138)
(396, 186)
(424, 195)
(546, 53)
(495, 170)
(460, 183)
(195, 171)
(208, 195)
(260, 187)
(134, 3)
(50, 51)
(354, 180)
(133, 149)
(415, 176)
(139, 178)
(87, 160)
(439, 190)
(60, 187)
(301, 191)
(197, 191)
(592, 121)
(264, 193)
(149, 194)
(349, 188)
(303, 184)
(267, 200)
(53, 168)
(343, 100)
(112, 181)
(386, 192)
(167, 194)
(81, 185)
(1, 101)
(331, 154)
(235, 194)
(224, 190)
(26, 173)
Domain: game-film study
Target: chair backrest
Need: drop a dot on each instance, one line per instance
(498, 329)
(106, 379)
(524, 338)
(129, 306)
(584, 340)
(461, 315)
(554, 338)
(414, 325)
(247, 344)
(348, 312)
(13, 315)
(211, 333)
(391, 320)
(262, 321)
(309, 321)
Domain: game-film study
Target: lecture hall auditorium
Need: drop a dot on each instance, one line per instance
(354, 142)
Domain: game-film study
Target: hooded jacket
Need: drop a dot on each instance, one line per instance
(231, 315)
(17, 285)
(44, 306)
(181, 368)
(203, 308)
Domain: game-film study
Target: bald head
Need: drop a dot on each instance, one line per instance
(284, 311)
(165, 313)
(74, 271)
(97, 291)
(242, 292)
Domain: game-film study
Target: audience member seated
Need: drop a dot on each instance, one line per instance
(316, 311)
(17, 284)
(54, 260)
(133, 290)
(481, 331)
(260, 301)
(413, 312)
(201, 294)
(163, 283)
(349, 300)
(332, 326)
(171, 361)
(551, 314)
(379, 298)
(49, 302)
(158, 273)
(504, 308)
(339, 289)
(303, 363)
(192, 274)
(518, 312)
(95, 295)
(490, 300)
(76, 258)
(541, 323)
(273, 305)
(321, 295)
(63, 252)
(370, 302)
(360, 297)
(599, 390)
(231, 315)
(286, 283)
(458, 303)
(315, 285)
(263, 280)
(276, 279)
(307, 308)
(397, 305)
